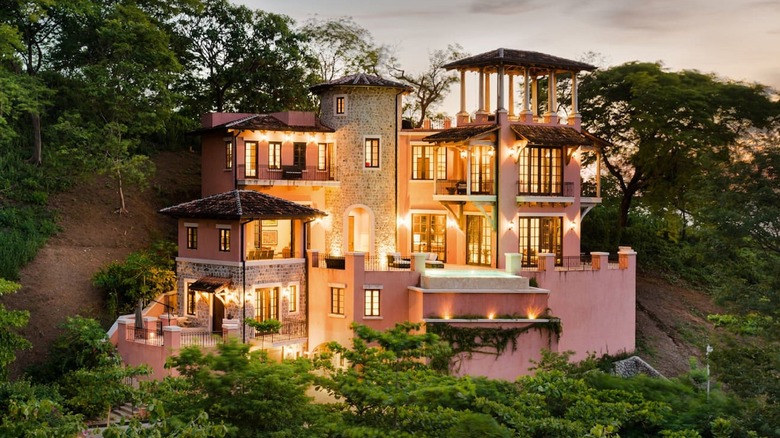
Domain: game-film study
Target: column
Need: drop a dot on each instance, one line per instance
(481, 106)
(462, 93)
(535, 96)
(511, 95)
(552, 100)
(418, 262)
(599, 260)
(500, 89)
(514, 263)
(486, 106)
(575, 118)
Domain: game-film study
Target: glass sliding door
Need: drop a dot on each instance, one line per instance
(429, 234)
(479, 240)
(540, 235)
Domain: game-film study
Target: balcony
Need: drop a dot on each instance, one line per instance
(460, 190)
(533, 194)
(288, 175)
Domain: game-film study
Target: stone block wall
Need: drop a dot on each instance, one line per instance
(370, 111)
(257, 275)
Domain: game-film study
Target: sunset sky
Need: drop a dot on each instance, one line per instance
(737, 39)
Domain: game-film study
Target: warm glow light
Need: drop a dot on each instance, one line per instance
(511, 225)
(446, 316)
(286, 292)
(573, 225)
(451, 223)
(463, 154)
(491, 316)
(491, 152)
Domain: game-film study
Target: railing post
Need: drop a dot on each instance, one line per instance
(514, 263)
(599, 260)
(231, 330)
(172, 338)
(626, 257)
(546, 262)
(168, 320)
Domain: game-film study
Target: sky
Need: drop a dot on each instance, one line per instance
(734, 39)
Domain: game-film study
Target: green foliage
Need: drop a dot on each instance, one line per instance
(144, 275)
(82, 344)
(10, 322)
(266, 327)
(250, 394)
(95, 391)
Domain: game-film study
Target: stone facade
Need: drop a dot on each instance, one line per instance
(258, 274)
(369, 112)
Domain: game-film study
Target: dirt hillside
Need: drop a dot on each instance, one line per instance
(57, 283)
(671, 320)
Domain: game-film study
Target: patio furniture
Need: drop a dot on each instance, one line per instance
(394, 260)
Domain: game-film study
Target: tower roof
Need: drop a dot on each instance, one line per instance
(359, 80)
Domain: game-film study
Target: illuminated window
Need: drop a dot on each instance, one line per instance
(299, 155)
(322, 156)
(426, 160)
(372, 152)
(191, 300)
(372, 302)
(341, 105)
(250, 159)
(293, 303)
(540, 235)
(540, 171)
(337, 301)
(224, 239)
(228, 155)
(267, 303)
(192, 237)
(274, 155)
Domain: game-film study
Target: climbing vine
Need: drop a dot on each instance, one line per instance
(487, 340)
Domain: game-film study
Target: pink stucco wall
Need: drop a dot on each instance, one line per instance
(439, 305)
(512, 363)
(597, 308)
(208, 240)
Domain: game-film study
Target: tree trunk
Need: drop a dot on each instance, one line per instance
(37, 148)
(122, 208)
(625, 204)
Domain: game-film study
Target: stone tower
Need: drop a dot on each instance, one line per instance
(365, 111)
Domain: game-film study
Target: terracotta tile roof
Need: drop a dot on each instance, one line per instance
(242, 204)
(360, 80)
(517, 58)
(551, 135)
(209, 284)
(461, 133)
(264, 122)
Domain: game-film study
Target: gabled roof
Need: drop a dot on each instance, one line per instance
(517, 58)
(359, 80)
(551, 135)
(242, 204)
(265, 122)
(209, 284)
(460, 133)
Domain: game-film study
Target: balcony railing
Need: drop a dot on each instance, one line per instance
(149, 336)
(567, 190)
(461, 187)
(289, 330)
(288, 173)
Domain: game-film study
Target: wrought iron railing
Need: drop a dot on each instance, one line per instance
(200, 338)
(461, 187)
(285, 172)
(566, 189)
(289, 330)
(144, 335)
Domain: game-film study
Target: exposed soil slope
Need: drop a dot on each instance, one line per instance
(58, 283)
(671, 320)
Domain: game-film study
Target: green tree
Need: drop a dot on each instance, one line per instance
(247, 392)
(665, 128)
(28, 410)
(144, 275)
(430, 86)
(237, 59)
(10, 322)
(343, 47)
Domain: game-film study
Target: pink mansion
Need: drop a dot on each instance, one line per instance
(348, 216)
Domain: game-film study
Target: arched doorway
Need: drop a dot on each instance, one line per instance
(358, 229)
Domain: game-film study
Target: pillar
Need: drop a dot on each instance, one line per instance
(514, 263)
(599, 260)
(418, 262)
(511, 95)
(575, 119)
(481, 103)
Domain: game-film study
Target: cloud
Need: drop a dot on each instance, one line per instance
(508, 7)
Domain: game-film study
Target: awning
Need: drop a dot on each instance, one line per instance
(210, 284)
